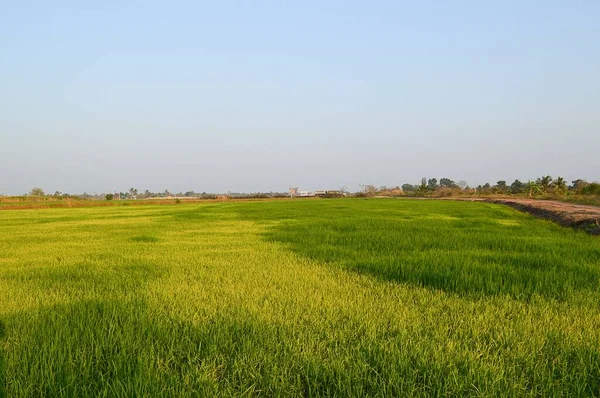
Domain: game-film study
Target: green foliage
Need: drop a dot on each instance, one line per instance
(591, 189)
(560, 186)
(517, 187)
(447, 183)
(341, 297)
(533, 189)
(423, 188)
(37, 192)
(578, 184)
(544, 183)
(109, 196)
(409, 188)
(432, 184)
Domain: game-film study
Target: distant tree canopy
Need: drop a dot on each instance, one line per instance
(578, 184)
(560, 185)
(544, 183)
(517, 187)
(432, 184)
(424, 187)
(591, 189)
(409, 188)
(447, 183)
(37, 192)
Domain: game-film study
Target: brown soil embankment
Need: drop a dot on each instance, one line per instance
(566, 214)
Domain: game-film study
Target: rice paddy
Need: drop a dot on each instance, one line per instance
(340, 297)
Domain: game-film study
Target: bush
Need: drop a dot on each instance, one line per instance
(591, 189)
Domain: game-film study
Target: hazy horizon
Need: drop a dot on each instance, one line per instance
(258, 96)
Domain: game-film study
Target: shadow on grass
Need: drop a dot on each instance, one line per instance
(120, 348)
(471, 249)
(124, 348)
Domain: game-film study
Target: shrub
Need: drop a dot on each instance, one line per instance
(591, 189)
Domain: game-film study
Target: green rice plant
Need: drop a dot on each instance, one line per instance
(337, 297)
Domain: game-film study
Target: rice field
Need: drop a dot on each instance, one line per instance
(340, 297)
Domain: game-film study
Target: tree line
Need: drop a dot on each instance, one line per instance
(134, 193)
(544, 185)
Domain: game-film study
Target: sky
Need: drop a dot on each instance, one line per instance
(252, 96)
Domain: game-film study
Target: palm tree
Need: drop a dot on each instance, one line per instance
(544, 183)
(560, 185)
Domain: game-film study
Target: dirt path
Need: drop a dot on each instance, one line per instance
(566, 214)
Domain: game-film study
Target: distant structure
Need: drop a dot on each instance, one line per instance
(295, 192)
(117, 196)
(330, 192)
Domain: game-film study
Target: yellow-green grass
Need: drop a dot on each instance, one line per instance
(327, 297)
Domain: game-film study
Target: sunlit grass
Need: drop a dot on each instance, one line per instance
(330, 297)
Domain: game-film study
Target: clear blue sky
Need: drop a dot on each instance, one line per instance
(257, 95)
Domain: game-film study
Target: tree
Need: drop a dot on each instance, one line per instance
(109, 196)
(533, 188)
(517, 187)
(501, 186)
(544, 183)
(591, 189)
(36, 192)
(560, 185)
(432, 184)
(578, 184)
(370, 189)
(133, 192)
(424, 187)
(484, 189)
(409, 188)
(447, 183)
(462, 184)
